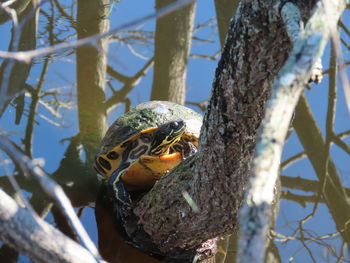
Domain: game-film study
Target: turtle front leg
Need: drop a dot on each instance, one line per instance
(117, 188)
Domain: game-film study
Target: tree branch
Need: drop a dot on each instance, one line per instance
(27, 56)
(51, 188)
(215, 178)
(254, 216)
(34, 237)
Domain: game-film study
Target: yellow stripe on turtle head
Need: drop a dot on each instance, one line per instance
(167, 135)
(110, 161)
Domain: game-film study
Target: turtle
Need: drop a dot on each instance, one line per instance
(145, 156)
(148, 154)
(138, 149)
(145, 144)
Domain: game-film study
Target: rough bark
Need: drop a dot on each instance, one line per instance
(171, 51)
(255, 50)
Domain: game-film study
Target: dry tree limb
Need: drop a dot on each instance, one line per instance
(52, 189)
(308, 48)
(34, 237)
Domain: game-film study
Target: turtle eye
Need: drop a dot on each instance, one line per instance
(174, 125)
(112, 155)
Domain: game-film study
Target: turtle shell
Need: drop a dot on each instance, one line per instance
(149, 115)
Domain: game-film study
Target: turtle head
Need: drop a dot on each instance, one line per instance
(166, 135)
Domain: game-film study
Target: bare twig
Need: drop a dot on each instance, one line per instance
(300, 199)
(130, 82)
(17, 28)
(292, 160)
(27, 56)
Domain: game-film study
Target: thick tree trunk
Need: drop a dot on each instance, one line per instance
(255, 50)
(91, 74)
(172, 47)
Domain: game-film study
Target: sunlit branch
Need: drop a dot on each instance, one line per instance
(282, 238)
(62, 224)
(288, 86)
(13, 182)
(29, 234)
(51, 188)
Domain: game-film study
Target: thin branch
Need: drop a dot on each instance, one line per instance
(343, 134)
(130, 82)
(341, 144)
(17, 28)
(27, 56)
(346, 30)
(32, 111)
(292, 160)
(299, 183)
(300, 199)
